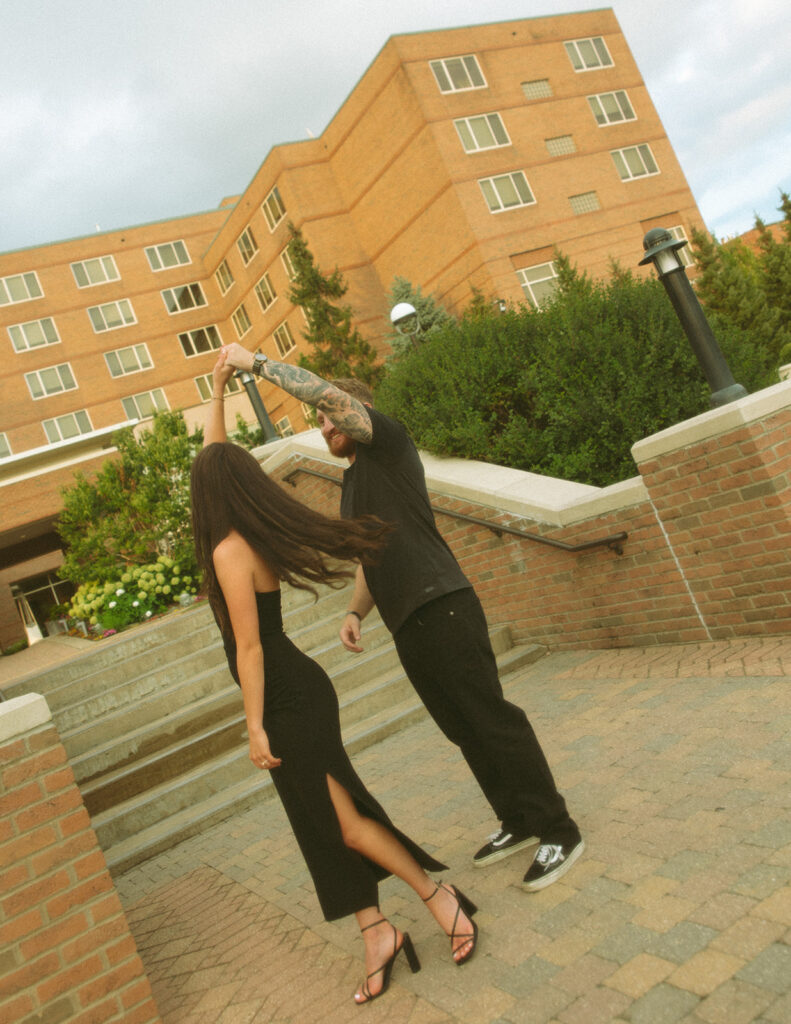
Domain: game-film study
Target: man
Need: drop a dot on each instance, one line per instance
(436, 620)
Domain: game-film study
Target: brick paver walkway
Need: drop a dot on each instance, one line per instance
(676, 762)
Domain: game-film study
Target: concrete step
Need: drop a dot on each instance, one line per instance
(220, 804)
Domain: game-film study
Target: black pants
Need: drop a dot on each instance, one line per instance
(445, 650)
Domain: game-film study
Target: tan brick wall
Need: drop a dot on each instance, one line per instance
(67, 952)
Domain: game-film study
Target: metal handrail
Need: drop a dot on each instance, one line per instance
(614, 541)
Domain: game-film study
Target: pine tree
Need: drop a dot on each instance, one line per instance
(431, 314)
(337, 347)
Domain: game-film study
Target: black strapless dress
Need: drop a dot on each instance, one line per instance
(302, 722)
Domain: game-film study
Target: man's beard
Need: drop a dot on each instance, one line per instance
(341, 445)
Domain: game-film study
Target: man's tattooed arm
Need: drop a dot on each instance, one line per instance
(348, 414)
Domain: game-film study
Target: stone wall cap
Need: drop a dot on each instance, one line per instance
(22, 714)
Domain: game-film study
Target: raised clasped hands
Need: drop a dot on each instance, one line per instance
(237, 356)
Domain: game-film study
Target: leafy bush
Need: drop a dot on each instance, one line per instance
(136, 595)
(564, 390)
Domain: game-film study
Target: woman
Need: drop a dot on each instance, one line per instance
(249, 535)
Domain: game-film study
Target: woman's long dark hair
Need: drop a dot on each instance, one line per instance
(230, 491)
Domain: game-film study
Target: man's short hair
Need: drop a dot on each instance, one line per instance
(355, 388)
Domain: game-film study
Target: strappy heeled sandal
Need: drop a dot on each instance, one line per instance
(387, 967)
(468, 908)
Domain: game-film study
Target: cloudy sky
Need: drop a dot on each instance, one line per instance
(119, 112)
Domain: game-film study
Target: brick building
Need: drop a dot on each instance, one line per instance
(460, 160)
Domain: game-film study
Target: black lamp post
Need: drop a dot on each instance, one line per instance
(404, 318)
(661, 249)
(248, 379)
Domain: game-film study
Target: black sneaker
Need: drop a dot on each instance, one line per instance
(501, 844)
(550, 863)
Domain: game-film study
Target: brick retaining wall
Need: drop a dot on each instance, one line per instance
(66, 953)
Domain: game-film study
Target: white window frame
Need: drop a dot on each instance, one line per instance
(223, 275)
(685, 254)
(247, 245)
(288, 264)
(283, 427)
(494, 191)
(468, 64)
(24, 336)
(27, 282)
(265, 292)
(205, 383)
(551, 274)
(151, 395)
(273, 207)
(124, 312)
(620, 98)
(577, 49)
(241, 320)
(188, 339)
(54, 426)
(5, 447)
(66, 379)
(102, 268)
(137, 354)
(642, 151)
(466, 132)
(284, 331)
(183, 298)
(167, 255)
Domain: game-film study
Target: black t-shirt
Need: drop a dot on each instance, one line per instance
(387, 480)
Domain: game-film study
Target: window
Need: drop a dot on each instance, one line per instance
(685, 255)
(283, 427)
(288, 264)
(539, 89)
(224, 277)
(505, 191)
(19, 288)
(204, 385)
(611, 107)
(112, 315)
(265, 292)
(455, 74)
(634, 162)
(585, 202)
(273, 208)
(96, 271)
(283, 339)
(202, 339)
(538, 282)
(51, 381)
(309, 413)
(5, 447)
(63, 428)
(241, 320)
(167, 255)
(128, 360)
(588, 54)
(138, 407)
(33, 334)
(246, 245)
(484, 132)
(561, 145)
(186, 296)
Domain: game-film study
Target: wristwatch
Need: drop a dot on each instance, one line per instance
(258, 361)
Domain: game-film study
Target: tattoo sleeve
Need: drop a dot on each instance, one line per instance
(347, 413)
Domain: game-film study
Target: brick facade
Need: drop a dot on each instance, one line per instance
(67, 953)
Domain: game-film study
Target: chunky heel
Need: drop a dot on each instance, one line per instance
(465, 902)
(463, 906)
(409, 952)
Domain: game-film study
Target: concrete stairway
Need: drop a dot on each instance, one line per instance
(154, 727)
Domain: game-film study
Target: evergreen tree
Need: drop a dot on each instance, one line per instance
(337, 348)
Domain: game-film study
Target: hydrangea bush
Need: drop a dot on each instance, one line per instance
(139, 593)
